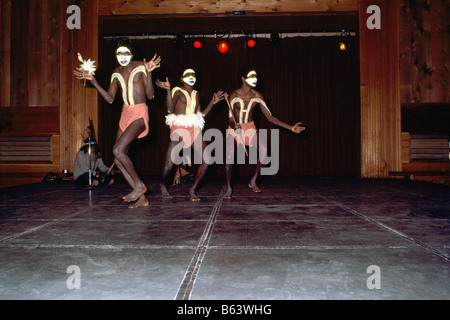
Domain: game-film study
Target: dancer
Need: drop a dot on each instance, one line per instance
(242, 127)
(135, 80)
(186, 120)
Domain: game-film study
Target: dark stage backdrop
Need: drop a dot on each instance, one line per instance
(306, 79)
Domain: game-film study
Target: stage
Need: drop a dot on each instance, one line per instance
(301, 239)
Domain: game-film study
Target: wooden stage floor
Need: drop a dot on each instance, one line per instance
(301, 239)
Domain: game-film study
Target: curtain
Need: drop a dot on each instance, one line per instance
(306, 79)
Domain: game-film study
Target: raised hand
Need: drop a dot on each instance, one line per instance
(220, 95)
(83, 75)
(152, 64)
(163, 85)
(297, 129)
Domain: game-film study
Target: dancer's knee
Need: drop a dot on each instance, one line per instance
(118, 152)
(262, 151)
(229, 156)
(207, 159)
(166, 170)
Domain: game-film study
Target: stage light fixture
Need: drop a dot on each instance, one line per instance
(250, 41)
(223, 47)
(198, 43)
(345, 42)
(179, 40)
(276, 39)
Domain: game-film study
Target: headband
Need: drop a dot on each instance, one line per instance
(253, 72)
(123, 48)
(188, 71)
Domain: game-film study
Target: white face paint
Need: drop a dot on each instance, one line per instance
(189, 77)
(251, 79)
(124, 56)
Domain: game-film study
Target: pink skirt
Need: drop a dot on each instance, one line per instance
(188, 134)
(133, 113)
(248, 131)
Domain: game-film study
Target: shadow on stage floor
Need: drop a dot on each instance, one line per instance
(302, 238)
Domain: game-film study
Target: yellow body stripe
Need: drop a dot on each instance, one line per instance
(130, 82)
(241, 112)
(244, 118)
(119, 77)
(127, 94)
(191, 100)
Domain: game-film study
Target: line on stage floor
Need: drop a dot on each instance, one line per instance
(190, 276)
(386, 227)
(416, 194)
(34, 229)
(113, 247)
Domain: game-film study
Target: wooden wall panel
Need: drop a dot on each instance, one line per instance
(78, 103)
(5, 53)
(120, 7)
(405, 51)
(380, 92)
(440, 50)
(29, 67)
(18, 121)
(19, 53)
(34, 54)
(425, 51)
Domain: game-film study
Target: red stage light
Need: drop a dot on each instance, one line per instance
(197, 44)
(251, 43)
(223, 47)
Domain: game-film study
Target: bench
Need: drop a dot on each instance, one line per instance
(26, 149)
(425, 158)
(29, 143)
(429, 147)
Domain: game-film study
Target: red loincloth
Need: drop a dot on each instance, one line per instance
(247, 133)
(133, 113)
(188, 134)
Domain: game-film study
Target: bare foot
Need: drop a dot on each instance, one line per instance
(141, 202)
(135, 194)
(252, 185)
(228, 193)
(193, 196)
(165, 194)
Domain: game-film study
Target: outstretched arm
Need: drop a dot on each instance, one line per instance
(169, 100)
(107, 95)
(294, 128)
(217, 96)
(150, 66)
